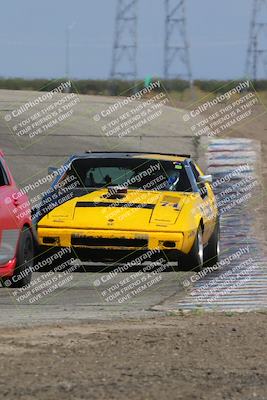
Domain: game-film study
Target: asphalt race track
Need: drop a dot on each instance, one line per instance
(81, 298)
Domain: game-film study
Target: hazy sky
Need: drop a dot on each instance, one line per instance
(32, 37)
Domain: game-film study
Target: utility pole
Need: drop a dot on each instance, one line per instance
(256, 65)
(124, 56)
(67, 71)
(176, 50)
(67, 60)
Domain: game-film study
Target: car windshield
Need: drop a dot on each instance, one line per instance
(132, 173)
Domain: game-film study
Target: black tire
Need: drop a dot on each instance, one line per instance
(194, 260)
(49, 252)
(212, 250)
(25, 260)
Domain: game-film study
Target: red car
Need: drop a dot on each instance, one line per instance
(17, 237)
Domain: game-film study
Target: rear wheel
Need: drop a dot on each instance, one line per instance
(25, 254)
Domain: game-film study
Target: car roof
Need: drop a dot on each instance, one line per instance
(133, 154)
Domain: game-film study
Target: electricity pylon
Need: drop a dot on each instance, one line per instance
(176, 52)
(124, 56)
(256, 65)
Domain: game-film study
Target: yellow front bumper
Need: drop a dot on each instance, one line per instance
(110, 239)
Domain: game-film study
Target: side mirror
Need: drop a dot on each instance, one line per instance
(205, 179)
(51, 170)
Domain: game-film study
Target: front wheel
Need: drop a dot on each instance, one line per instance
(194, 260)
(212, 250)
(25, 254)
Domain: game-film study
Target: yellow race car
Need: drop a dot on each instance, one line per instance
(107, 206)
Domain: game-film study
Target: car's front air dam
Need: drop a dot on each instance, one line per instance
(110, 239)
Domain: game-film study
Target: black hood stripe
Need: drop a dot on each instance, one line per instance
(88, 204)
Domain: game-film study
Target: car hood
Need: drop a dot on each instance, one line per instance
(137, 210)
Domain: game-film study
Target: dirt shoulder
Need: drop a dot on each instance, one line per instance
(207, 356)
